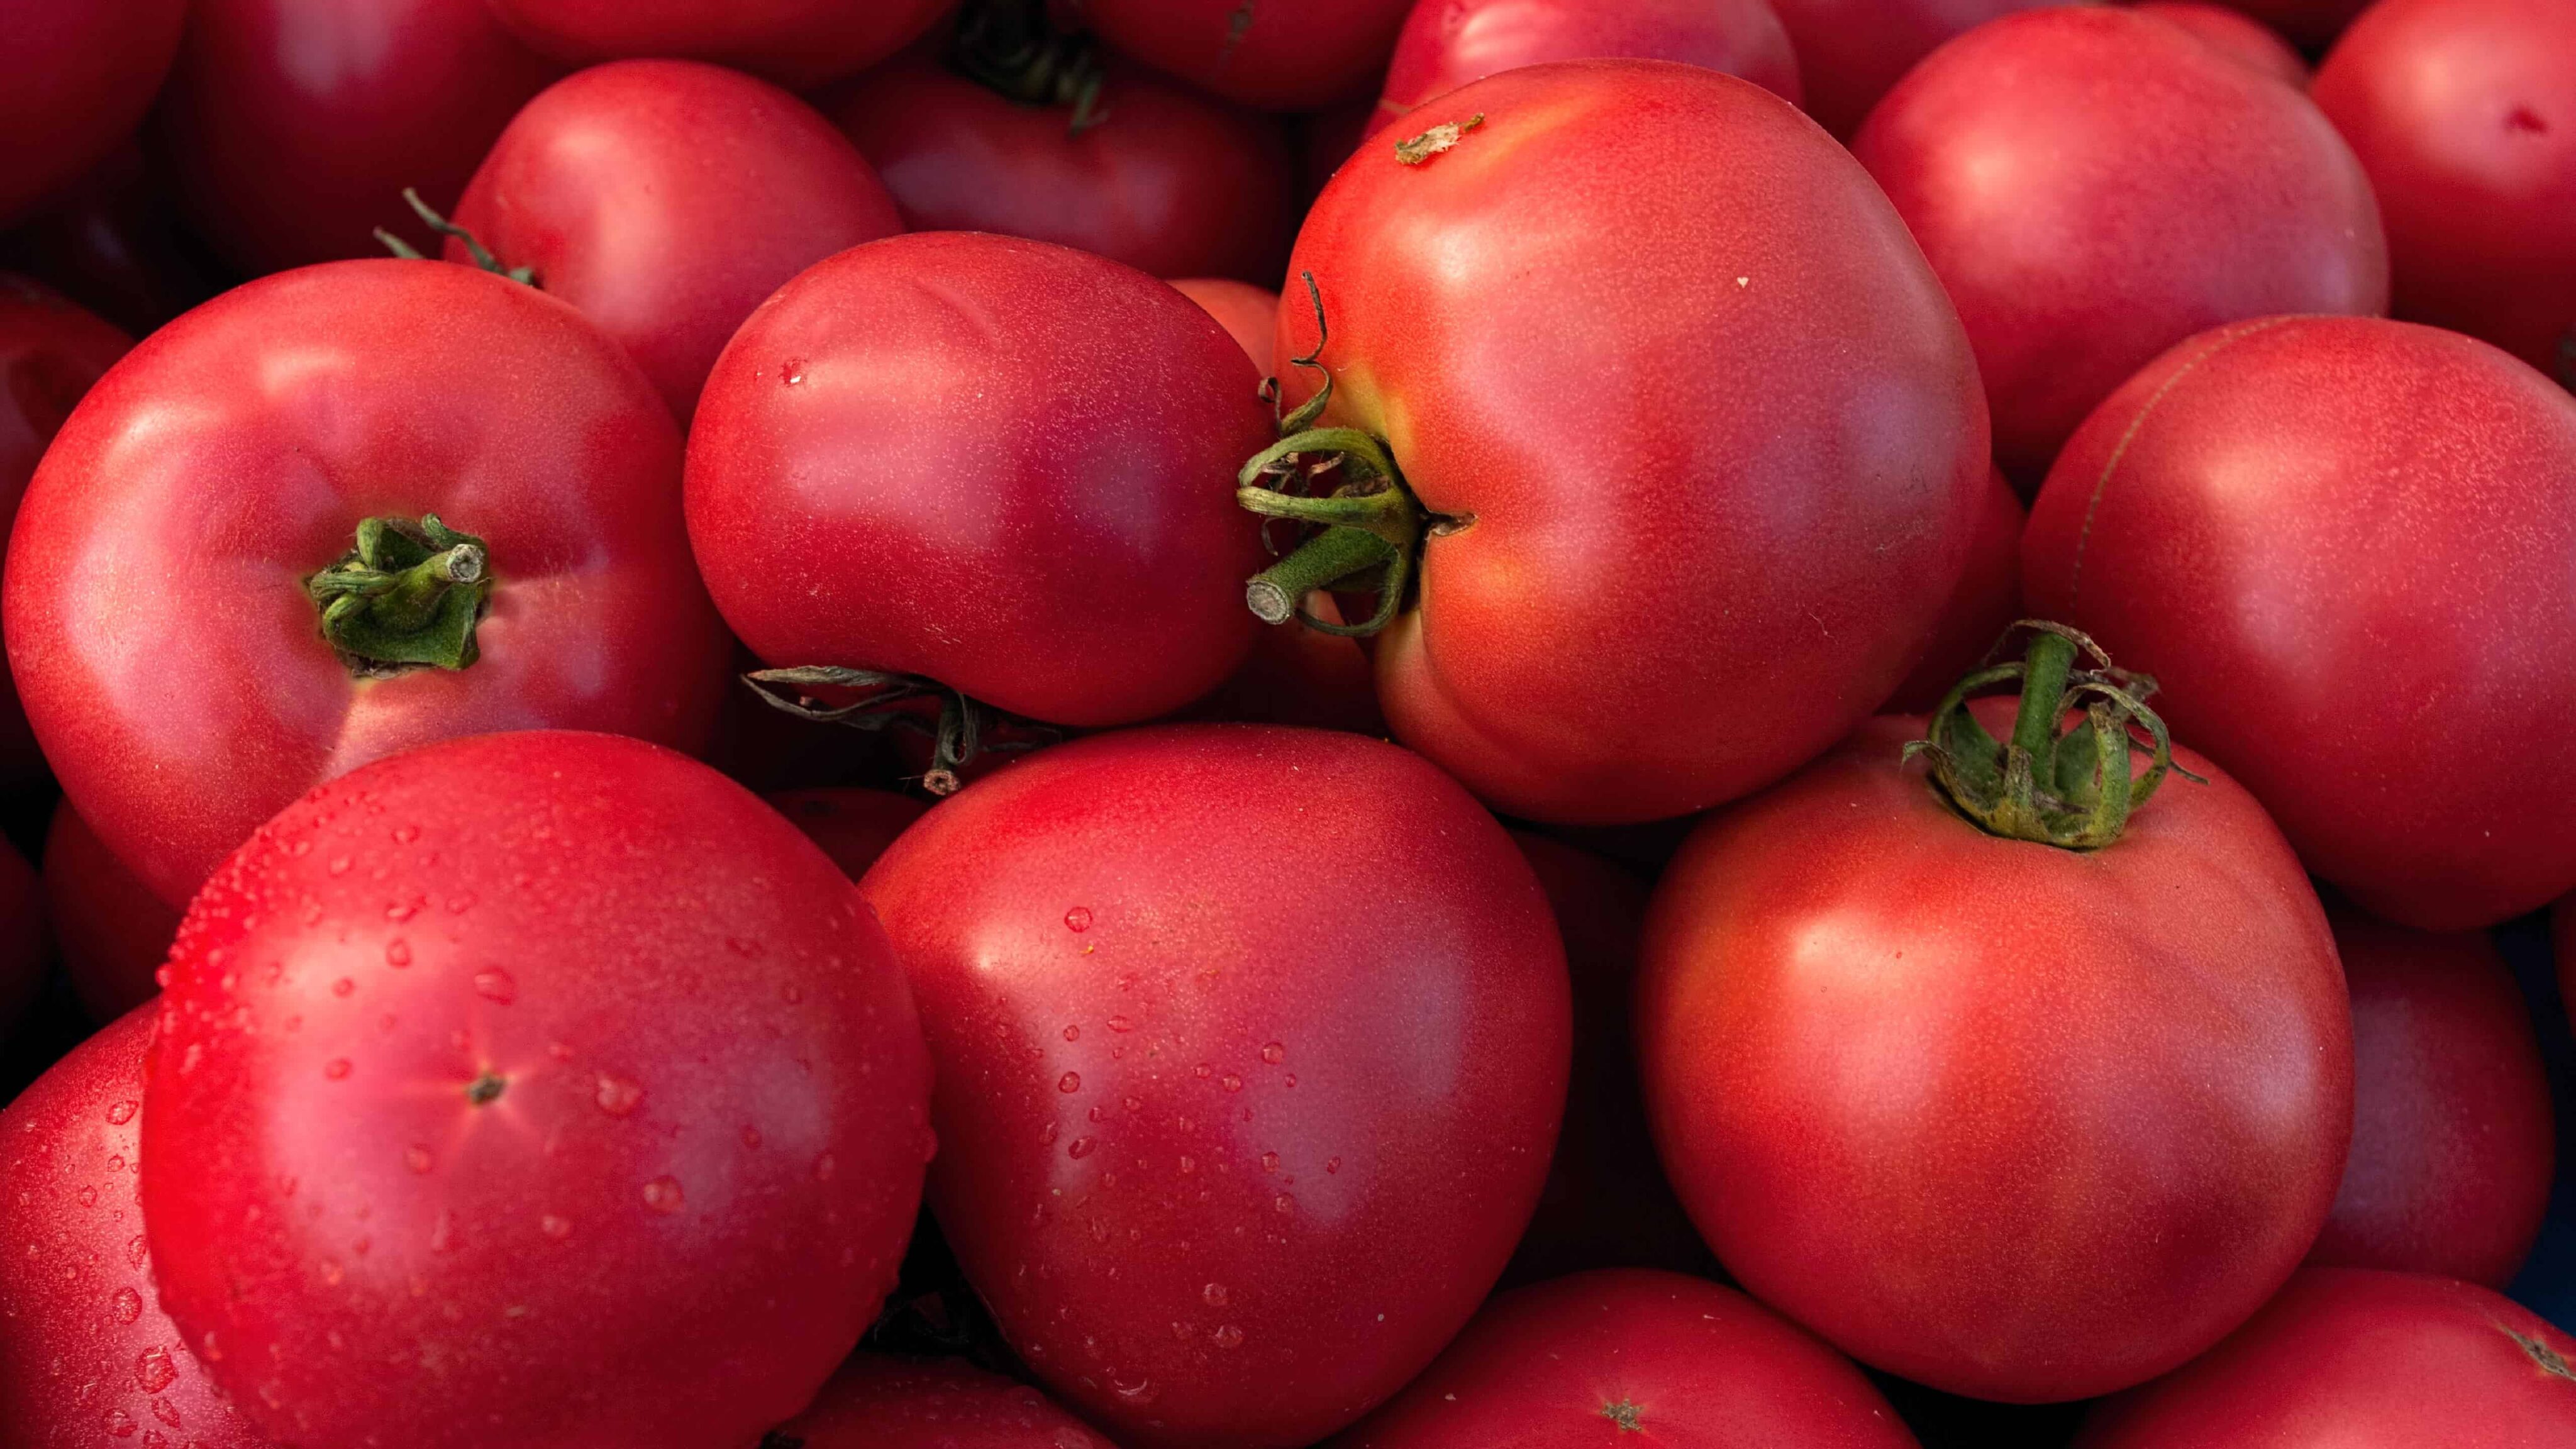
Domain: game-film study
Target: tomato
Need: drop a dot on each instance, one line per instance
(800, 43)
(878, 1402)
(666, 199)
(2011, 1120)
(2094, 186)
(75, 79)
(2453, 1141)
(1250, 1045)
(1035, 442)
(1249, 314)
(551, 1076)
(292, 126)
(112, 930)
(2311, 23)
(2464, 114)
(238, 453)
(2312, 529)
(2362, 1360)
(853, 826)
(2237, 35)
(1281, 57)
(1851, 51)
(1601, 1360)
(1447, 43)
(1154, 175)
(1638, 310)
(86, 1354)
(1985, 603)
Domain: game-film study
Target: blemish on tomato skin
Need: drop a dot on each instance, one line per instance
(1625, 1414)
(2549, 1360)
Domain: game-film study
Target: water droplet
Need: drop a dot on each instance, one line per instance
(1231, 1082)
(401, 911)
(1078, 1147)
(1096, 1114)
(1072, 1033)
(1069, 1082)
(1215, 1295)
(1289, 1081)
(416, 1157)
(153, 1370)
(136, 1250)
(1078, 919)
(120, 1424)
(1274, 1053)
(1202, 1071)
(663, 1195)
(1227, 1336)
(398, 953)
(792, 372)
(555, 1227)
(1332, 1164)
(1189, 1164)
(617, 1096)
(494, 985)
(1270, 1162)
(1120, 1023)
(1046, 1135)
(122, 1113)
(336, 1069)
(128, 1305)
(1283, 1203)
(343, 986)
(461, 902)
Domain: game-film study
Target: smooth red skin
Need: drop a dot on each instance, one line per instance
(1387, 1015)
(1446, 44)
(2094, 186)
(1741, 505)
(1299, 56)
(2011, 1121)
(292, 126)
(1702, 1366)
(798, 43)
(2311, 530)
(2237, 35)
(112, 930)
(234, 453)
(2453, 1140)
(1850, 52)
(2464, 114)
(666, 199)
(75, 79)
(2361, 1360)
(24, 946)
(880, 1402)
(681, 994)
(2311, 23)
(1985, 604)
(1036, 449)
(853, 826)
(87, 1357)
(1249, 314)
(1168, 181)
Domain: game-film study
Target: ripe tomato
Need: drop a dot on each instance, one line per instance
(666, 199)
(2010, 1120)
(1232, 1140)
(2094, 186)
(292, 126)
(1447, 43)
(2312, 530)
(86, 1354)
(75, 78)
(491, 1066)
(1637, 309)
(2237, 35)
(112, 930)
(1034, 441)
(1851, 51)
(853, 826)
(1981, 608)
(1282, 57)
(2362, 1360)
(1607, 1359)
(800, 43)
(879, 1402)
(2464, 114)
(1249, 314)
(2453, 1141)
(2311, 23)
(238, 453)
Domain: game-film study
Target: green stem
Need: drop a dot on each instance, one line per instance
(1323, 561)
(1009, 47)
(2043, 700)
(408, 595)
(474, 248)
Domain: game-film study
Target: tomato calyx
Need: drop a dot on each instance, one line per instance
(474, 248)
(2072, 790)
(409, 595)
(1008, 47)
(877, 699)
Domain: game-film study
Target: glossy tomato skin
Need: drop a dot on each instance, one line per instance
(238, 450)
(800, 43)
(1447, 43)
(86, 1354)
(1596, 1360)
(2156, 188)
(1298, 57)
(2011, 1121)
(853, 826)
(2238, 35)
(2311, 23)
(1249, 314)
(486, 1065)
(881, 1402)
(2464, 114)
(2310, 529)
(113, 932)
(75, 79)
(1851, 51)
(1004, 465)
(1231, 1146)
(292, 126)
(1981, 608)
(666, 199)
(2362, 1360)
(1741, 369)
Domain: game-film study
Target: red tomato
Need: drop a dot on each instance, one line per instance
(2014, 1121)
(2362, 1360)
(2237, 35)
(877, 1402)
(1249, 314)
(577, 1098)
(1601, 1360)
(666, 199)
(2311, 23)
(1232, 1140)
(86, 1354)
(1447, 43)
(292, 126)
(854, 827)
(2094, 186)
(1283, 57)
(2453, 1141)
(75, 78)
(1638, 306)
(113, 931)
(1851, 51)
(2464, 114)
(1160, 177)
(2312, 530)
(1034, 440)
(800, 43)
(235, 455)
(1981, 608)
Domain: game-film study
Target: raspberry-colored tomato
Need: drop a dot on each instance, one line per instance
(1282, 55)
(1684, 426)
(112, 930)
(1984, 604)
(2311, 23)
(1447, 43)
(292, 126)
(553, 1078)
(2235, 34)
(880, 1402)
(853, 826)
(2344, 546)
(994, 463)
(87, 1357)
(2094, 186)
(240, 453)
(75, 78)
(800, 43)
(666, 199)
(1250, 314)
(1250, 1045)
(1851, 51)
(2464, 114)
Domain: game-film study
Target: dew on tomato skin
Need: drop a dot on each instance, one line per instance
(1072, 1032)
(136, 1251)
(398, 953)
(343, 986)
(1227, 1336)
(1274, 1053)
(1231, 1082)
(495, 986)
(401, 911)
(1078, 919)
(127, 1305)
(153, 1372)
(1215, 1295)
(617, 1096)
(405, 834)
(120, 1424)
(791, 372)
(337, 1069)
(416, 1157)
(122, 1113)
(1046, 1135)
(1078, 1148)
(1069, 1083)
(663, 1195)
(1203, 1071)
(555, 1227)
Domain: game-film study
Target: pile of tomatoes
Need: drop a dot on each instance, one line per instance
(1245, 724)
